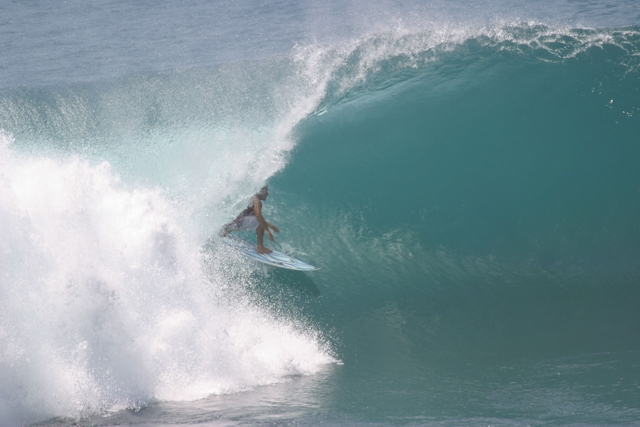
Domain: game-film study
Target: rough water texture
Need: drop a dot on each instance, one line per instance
(466, 177)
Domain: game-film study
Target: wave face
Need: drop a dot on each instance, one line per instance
(516, 143)
(470, 194)
(473, 203)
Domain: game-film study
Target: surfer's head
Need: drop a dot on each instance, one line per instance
(264, 192)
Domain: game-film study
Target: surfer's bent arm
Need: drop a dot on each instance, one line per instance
(273, 227)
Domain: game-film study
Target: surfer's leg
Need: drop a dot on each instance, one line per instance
(245, 223)
(260, 236)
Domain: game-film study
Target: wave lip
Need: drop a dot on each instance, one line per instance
(375, 61)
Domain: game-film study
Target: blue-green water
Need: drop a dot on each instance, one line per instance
(466, 177)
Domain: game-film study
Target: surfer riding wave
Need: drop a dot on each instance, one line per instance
(251, 219)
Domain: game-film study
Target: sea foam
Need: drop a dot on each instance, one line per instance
(104, 304)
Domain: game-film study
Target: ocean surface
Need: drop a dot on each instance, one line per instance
(466, 175)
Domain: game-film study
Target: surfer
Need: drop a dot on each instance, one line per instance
(251, 219)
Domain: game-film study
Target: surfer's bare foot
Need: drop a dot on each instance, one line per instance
(263, 250)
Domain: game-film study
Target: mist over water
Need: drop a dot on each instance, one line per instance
(105, 304)
(464, 175)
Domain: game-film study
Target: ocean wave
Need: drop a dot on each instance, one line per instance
(439, 156)
(380, 60)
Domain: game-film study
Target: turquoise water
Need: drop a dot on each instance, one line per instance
(466, 177)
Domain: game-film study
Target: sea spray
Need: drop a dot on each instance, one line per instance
(105, 306)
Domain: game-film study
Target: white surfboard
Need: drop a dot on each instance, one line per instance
(275, 258)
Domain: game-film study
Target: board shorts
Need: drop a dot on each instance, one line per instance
(246, 223)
